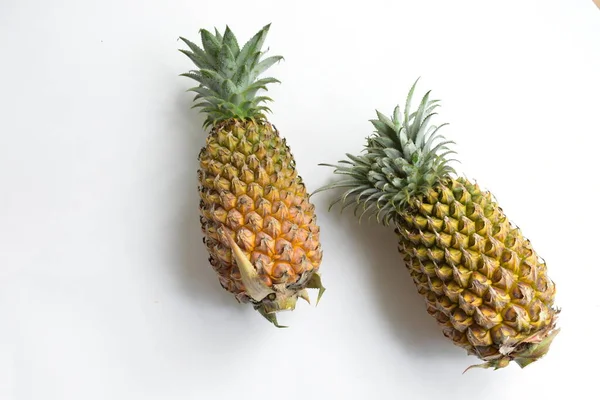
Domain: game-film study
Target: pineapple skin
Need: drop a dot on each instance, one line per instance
(481, 279)
(250, 190)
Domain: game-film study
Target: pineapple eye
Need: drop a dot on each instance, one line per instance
(488, 247)
(471, 241)
(497, 276)
(479, 224)
(517, 293)
(452, 209)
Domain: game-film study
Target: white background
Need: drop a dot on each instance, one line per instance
(105, 288)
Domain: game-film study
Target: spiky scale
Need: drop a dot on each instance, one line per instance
(495, 303)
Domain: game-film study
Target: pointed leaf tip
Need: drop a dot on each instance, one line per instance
(316, 283)
(483, 366)
(304, 295)
(271, 317)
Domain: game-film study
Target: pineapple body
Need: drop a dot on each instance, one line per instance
(249, 188)
(481, 278)
(259, 226)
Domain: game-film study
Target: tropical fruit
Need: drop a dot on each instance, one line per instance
(260, 228)
(480, 277)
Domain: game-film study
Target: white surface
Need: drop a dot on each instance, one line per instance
(105, 288)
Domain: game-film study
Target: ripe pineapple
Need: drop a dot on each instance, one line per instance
(260, 228)
(480, 277)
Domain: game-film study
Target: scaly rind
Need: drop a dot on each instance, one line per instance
(531, 352)
(528, 351)
(255, 288)
(268, 301)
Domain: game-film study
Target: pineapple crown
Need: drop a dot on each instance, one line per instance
(405, 157)
(228, 76)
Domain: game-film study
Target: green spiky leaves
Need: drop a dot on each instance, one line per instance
(227, 75)
(404, 158)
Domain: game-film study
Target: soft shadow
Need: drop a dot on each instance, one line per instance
(400, 303)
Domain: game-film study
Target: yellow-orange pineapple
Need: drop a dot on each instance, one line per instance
(260, 228)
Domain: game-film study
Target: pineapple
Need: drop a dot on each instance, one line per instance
(259, 226)
(480, 277)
